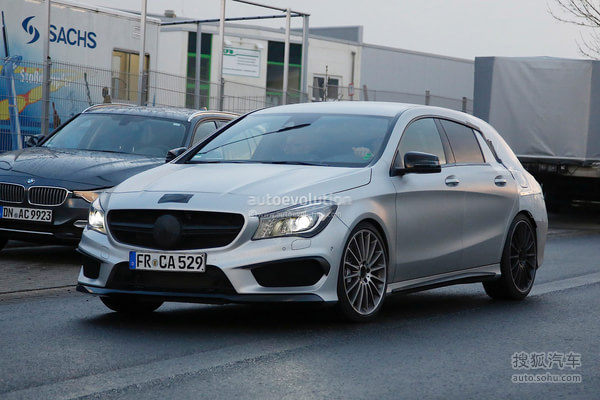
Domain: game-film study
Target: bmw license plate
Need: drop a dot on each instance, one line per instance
(174, 262)
(25, 214)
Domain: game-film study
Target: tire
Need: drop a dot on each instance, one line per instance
(518, 265)
(362, 278)
(130, 305)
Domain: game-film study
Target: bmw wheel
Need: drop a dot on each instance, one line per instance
(362, 279)
(130, 305)
(519, 263)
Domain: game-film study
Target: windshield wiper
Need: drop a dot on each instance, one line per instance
(296, 163)
(286, 128)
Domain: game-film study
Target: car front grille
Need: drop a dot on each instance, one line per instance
(36, 195)
(174, 230)
(11, 193)
(47, 196)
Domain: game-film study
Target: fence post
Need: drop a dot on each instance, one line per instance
(365, 93)
(198, 66)
(222, 94)
(464, 104)
(427, 97)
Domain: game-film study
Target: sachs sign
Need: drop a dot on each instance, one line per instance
(61, 34)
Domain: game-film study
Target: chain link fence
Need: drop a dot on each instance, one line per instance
(76, 87)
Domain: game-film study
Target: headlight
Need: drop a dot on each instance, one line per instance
(96, 217)
(87, 195)
(303, 220)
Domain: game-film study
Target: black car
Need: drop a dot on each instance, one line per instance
(45, 190)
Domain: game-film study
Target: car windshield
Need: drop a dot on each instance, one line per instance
(120, 133)
(315, 139)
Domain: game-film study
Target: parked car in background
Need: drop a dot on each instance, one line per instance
(341, 202)
(46, 190)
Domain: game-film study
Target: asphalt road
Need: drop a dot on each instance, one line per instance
(450, 343)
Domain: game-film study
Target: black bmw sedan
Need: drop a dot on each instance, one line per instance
(45, 190)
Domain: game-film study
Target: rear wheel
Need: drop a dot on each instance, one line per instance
(519, 263)
(362, 279)
(131, 305)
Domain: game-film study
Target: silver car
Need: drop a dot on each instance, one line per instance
(342, 203)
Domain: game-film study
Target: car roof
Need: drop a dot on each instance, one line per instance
(374, 108)
(181, 114)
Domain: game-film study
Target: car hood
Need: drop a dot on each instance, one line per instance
(71, 168)
(260, 186)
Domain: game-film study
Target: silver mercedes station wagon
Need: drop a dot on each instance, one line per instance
(342, 203)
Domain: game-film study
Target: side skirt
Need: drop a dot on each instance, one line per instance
(479, 274)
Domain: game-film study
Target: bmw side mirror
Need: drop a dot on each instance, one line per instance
(174, 153)
(419, 163)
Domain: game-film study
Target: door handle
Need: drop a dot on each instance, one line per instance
(452, 181)
(500, 181)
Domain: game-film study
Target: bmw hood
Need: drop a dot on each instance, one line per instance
(71, 168)
(256, 184)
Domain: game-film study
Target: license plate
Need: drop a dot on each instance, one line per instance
(179, 262)
(25, 214)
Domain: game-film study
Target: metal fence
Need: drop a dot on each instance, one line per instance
(75, 87)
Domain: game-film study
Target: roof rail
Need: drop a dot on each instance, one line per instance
(103, 105)
(210, 111)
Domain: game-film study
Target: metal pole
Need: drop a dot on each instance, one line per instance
(286, 56)
(220, 86)
(305, 33)
(427, 97)
(46, 77)
(142, 57)
(198, 65)
(353, 54)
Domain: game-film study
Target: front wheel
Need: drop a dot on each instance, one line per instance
(362, 279)
(519, 263)
(130, 305)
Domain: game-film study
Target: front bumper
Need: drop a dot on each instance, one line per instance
(66, 227)
(279, 269)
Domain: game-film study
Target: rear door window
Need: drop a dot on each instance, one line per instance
(463, 142)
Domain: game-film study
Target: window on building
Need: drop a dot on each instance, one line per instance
(205, 61)
(125, 75)
(275, 57)
(320, 92)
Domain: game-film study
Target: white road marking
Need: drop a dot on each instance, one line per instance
(563, 284)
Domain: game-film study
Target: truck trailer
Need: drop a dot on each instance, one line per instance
(548, 110)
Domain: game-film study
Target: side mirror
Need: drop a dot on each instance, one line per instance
(174, 153)
(33, 140)
(419, 163)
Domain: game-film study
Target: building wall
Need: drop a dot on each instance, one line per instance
(386, 69)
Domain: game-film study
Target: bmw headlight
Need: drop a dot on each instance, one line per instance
(304, 220)
(88, 195)
(96, 217)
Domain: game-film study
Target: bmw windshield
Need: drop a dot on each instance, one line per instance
(120, 133)
(313, 139)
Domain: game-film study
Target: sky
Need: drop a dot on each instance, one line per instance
(455, 28)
